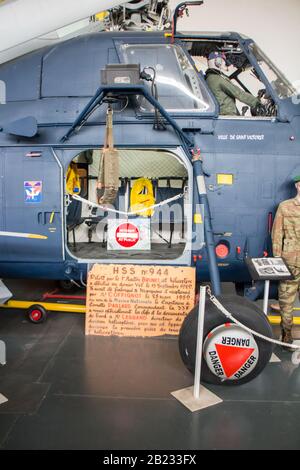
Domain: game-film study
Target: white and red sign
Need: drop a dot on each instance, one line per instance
(230, 352)
(129, 235)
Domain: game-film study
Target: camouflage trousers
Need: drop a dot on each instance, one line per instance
(287, 293)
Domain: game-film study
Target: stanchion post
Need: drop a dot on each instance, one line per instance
(266, 296)
(200, 329)
(190, 397)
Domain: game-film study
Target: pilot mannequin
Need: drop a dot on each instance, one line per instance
(226, 93)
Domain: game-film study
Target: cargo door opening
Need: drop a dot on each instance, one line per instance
(154, 182)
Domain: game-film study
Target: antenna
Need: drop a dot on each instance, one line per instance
(179, 12)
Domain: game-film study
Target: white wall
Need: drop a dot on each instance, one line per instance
(273, 24)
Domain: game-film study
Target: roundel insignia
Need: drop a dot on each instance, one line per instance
(230, 352)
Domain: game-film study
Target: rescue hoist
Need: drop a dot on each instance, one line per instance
(108, 175)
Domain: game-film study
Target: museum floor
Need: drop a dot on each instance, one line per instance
(68, 391)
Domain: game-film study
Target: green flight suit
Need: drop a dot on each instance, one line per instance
(286, 244)
(226, 93)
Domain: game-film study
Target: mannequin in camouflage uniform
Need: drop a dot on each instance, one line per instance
(286, 244)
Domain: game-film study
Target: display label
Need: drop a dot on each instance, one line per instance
(268, 269)
(138, 300)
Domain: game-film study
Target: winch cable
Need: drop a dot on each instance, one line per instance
(138, 211)
(159, 123)
(228, 315)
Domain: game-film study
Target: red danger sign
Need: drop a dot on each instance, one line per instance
(127, 235)
(234, 358)
(230, 352)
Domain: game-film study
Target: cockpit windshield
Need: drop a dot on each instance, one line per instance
(278, 81)
(178, 84)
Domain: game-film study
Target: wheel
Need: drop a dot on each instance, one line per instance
(67, 285)
(239, 288)
(37, 314)
(231, 356)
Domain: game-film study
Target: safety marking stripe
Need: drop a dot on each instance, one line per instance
(274, 358)
(201, 184)
(276, 320)
(3, 399)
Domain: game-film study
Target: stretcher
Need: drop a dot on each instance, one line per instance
(37, 311)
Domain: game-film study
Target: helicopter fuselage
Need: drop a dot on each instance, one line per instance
(248, 160)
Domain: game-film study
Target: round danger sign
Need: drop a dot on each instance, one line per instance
(230, 352)
(127, 235)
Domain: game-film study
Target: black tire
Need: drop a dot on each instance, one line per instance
(244, 311)
(239, 288)
(37, 314)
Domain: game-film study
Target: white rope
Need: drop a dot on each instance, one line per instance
(138, 211)
(255, 333)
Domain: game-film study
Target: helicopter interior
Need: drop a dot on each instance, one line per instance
(238, 69)
(92, 231)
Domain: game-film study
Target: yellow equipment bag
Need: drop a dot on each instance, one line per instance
(141, 197)
(72, 180)
(108, 176)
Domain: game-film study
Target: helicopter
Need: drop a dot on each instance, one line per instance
(216, 180)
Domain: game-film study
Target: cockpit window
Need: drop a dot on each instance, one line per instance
(278, 81)
(179, 87)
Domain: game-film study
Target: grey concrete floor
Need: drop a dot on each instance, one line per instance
(68, 391)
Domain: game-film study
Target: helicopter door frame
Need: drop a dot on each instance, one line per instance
(252, 59)
(185, 259)
(180, 41)
(62, 196)
(244, 45)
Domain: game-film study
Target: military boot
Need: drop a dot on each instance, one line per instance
(286, 337)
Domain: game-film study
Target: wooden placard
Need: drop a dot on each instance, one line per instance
(138, 300)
